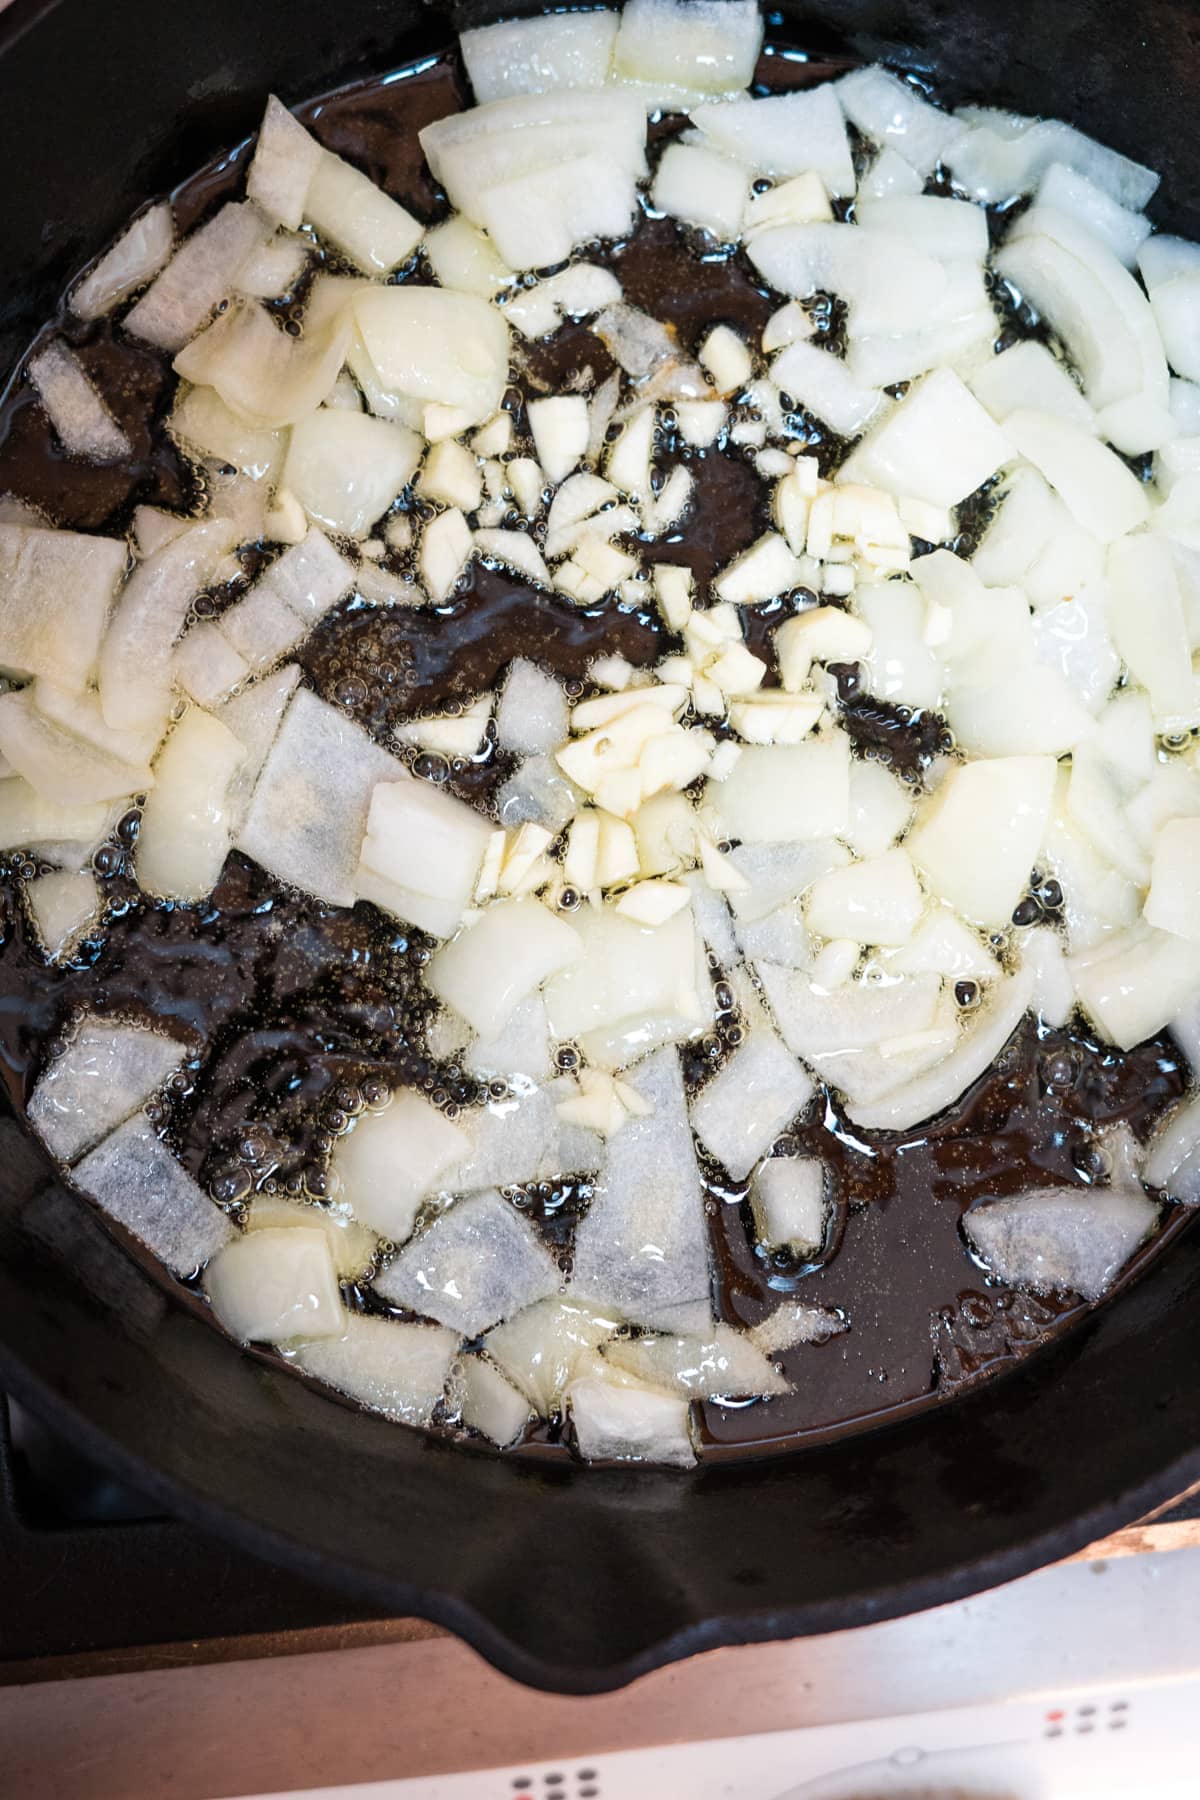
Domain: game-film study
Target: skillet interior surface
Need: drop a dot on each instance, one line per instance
(569, 1579)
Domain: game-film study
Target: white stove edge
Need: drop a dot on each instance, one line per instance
(1097, 1744)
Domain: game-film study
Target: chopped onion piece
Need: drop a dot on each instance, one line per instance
(888, 176)
(539, 218)
(62, 904)
(202, 419)
(309, 812)
(823, 385)
(1033, 712)
(269, 1286)
(1149, 627)
(701, 187)
(104, 1075)
(1134, 982)
(488, 1401)
(437, 346)
(40, 634)
(387, 1365)
(705, 46)
(1173, 1163)
(726, 1362)
(944, 945)
(515, 947)
(478, 1263)
(265, 376)
(643, 1239)
(1028, 376)
(945, 229)
(755, 1095)
(371, 229)
(627, 971)
(1053, 989)
(421, 854)
(877, 900)
(285, 161)
(1100, 491)
(937, 445)
(1056, 1238)
(892, 113)
(531, 717)
(1094, 304)
(391, 1161)
(650, 354)
(528, 56)
(30, 822)
(254, 716)
(1173, 903)
(542, 1347)
(1176, 306)
(184, 836)
(936, 1088)
(977, 838)
(463, 258)
(134, 1178)
(84, 424)
(136, 257)
(1147, 371)
(81, 717)
(888, 287)
(791, 1201)
(573, 293)
(135, 662)
(261, 629)
(346, 468)
(1122, 231)
(1004, 155)
(793, 1324)
(202, 272)
(617, 1420)
(64, 769)
(786, 793)
(784, 134)
(354, 1247)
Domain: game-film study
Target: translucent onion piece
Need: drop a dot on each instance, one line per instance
(56, 589)
(198, 277)
(978, 1047)
(136, 257)
(76, 411)
(266, 377)
(184, 836)
(285, 161)
(135, 662)
(62, 768)
(784, 134)
(529, 56)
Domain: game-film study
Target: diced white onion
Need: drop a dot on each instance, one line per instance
(136, 257)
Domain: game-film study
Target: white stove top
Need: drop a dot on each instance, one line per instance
(1081, 1682)
(1096, 1744)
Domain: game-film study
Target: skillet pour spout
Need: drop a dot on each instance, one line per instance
(569, 1579)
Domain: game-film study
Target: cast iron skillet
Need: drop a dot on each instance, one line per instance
(567, 1579)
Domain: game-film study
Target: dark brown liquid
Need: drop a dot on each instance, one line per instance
(292, 1006)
